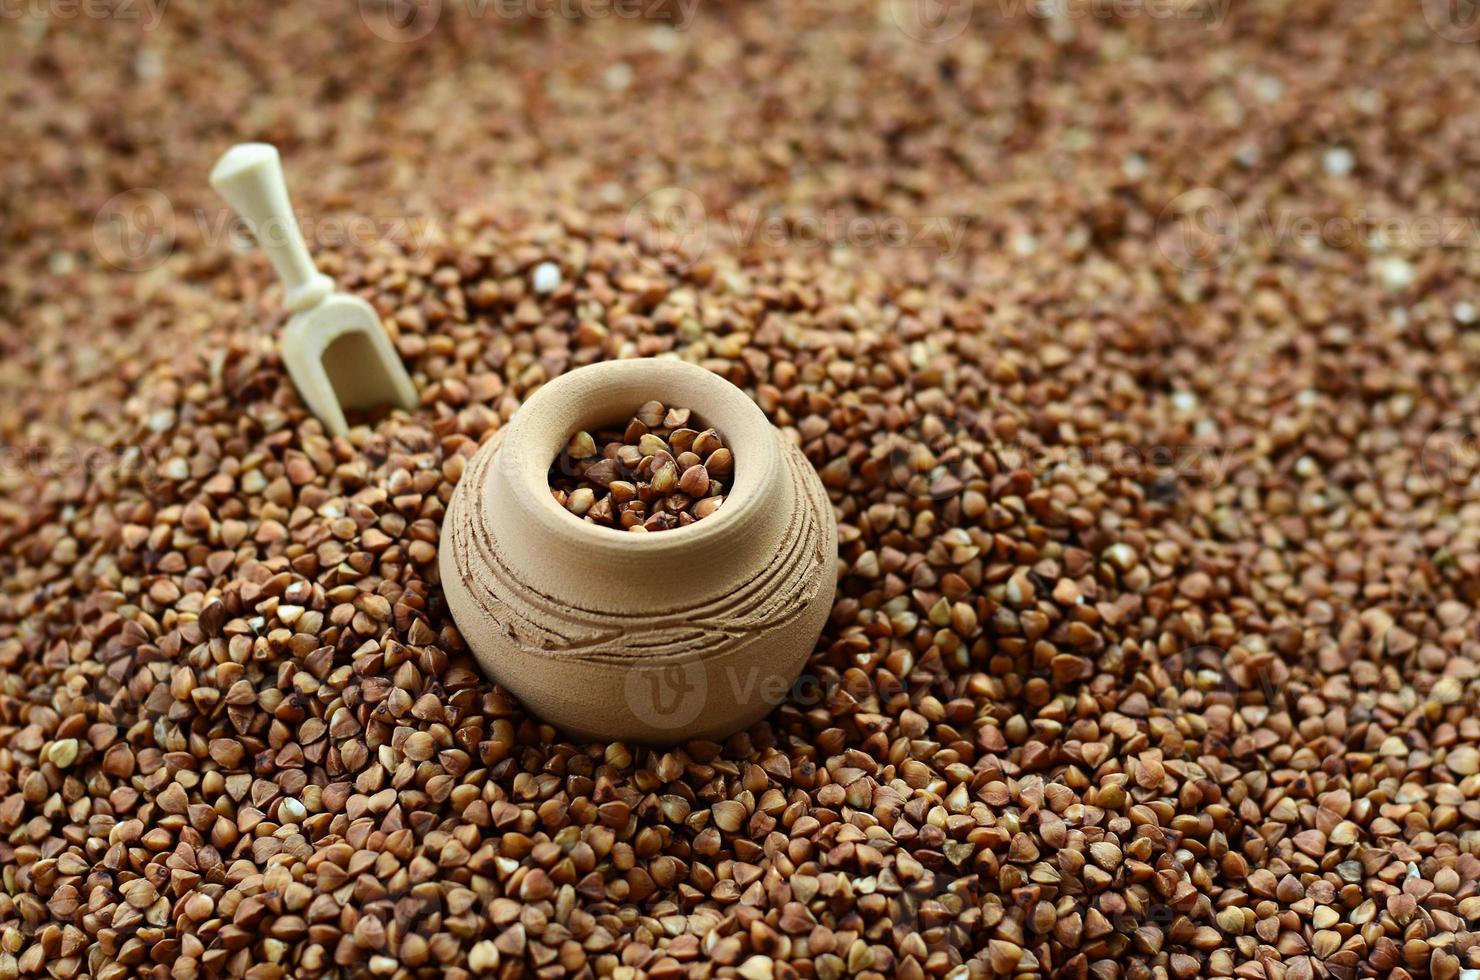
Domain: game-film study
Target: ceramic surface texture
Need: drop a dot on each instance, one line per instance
(659, 637)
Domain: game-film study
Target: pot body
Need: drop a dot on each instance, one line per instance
(694, 632)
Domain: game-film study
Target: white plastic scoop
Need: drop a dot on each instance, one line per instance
(335, 348)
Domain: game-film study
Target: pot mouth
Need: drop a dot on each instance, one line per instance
(612, 390)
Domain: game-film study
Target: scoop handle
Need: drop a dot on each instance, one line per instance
(250, 177)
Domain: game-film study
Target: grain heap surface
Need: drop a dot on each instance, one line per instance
(1137, 353)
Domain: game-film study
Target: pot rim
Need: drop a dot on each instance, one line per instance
(601, 393)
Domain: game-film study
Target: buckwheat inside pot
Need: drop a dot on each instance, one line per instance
(660, 471)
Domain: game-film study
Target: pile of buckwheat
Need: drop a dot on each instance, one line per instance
(654, 474)
(1154, 649)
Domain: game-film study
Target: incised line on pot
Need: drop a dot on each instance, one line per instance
(765, 602)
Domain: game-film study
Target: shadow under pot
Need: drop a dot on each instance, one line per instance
(693, 632)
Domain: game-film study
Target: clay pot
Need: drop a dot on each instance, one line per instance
(687, 633)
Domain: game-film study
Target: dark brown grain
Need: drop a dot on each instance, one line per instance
(1153, 652)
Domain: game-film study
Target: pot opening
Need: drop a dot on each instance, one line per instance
(661, 468)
